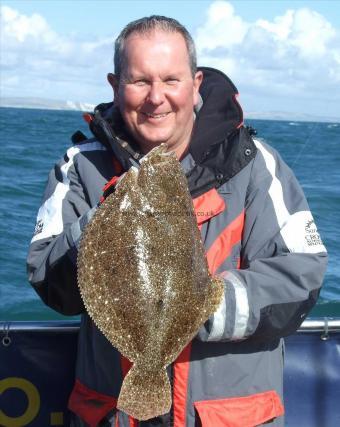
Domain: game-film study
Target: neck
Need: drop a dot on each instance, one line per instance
(181, 151)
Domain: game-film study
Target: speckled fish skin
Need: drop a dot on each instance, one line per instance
(144, 279)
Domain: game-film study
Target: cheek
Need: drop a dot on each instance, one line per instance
(128, 100)
(184, 100)
(128, 110)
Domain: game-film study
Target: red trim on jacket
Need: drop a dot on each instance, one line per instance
(248, 411)
(181, 368)
(90, 405)
(222, 246)
(112, 183)
(208, 205)
(126, 366)
(117, 165)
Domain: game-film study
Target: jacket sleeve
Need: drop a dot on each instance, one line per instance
(51, 262)
(283, 259)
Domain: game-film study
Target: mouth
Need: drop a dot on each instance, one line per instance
(156, 116)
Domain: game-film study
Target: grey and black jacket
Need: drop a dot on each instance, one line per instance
(259, 235)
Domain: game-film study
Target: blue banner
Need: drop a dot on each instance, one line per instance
(37, 361)
(36, 375)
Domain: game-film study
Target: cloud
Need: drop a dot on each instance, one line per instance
(36, 61)
(223, 28)
(294, 56)
(289, 63)
(20, 27)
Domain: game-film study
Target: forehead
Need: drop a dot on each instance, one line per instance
(156, 48)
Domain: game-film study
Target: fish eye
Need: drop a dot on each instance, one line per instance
(160, 304)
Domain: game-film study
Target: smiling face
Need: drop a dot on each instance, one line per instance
(156, 92)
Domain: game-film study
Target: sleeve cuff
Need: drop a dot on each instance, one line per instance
(230, 320)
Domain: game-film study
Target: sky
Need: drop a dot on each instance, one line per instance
(282, 55)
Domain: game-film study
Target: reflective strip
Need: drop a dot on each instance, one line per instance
(241, 307)
(241, 310)
(49, 217)
(298, 230)
(78, 226)
(275, 189)
(218, 325)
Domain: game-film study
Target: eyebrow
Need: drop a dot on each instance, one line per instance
(131, 77)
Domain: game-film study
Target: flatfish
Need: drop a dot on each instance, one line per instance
(144, 279)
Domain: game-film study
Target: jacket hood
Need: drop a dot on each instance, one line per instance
(220, 146)
(220, 114)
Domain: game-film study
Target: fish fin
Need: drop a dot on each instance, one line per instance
(145, 395)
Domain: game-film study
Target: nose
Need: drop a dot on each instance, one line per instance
(156, 93)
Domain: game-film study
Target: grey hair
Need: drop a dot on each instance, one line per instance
(147, 25)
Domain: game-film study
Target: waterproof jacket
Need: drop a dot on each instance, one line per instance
(259, 235)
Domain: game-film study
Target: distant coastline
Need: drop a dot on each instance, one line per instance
(45, 104)
(52, 104)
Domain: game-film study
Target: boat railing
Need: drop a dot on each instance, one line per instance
(324, 325)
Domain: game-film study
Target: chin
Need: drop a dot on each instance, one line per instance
(153, 140)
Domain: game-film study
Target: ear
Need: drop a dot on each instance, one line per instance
(198, 78)
(114, 83)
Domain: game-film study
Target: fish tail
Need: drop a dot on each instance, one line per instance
(145, 395)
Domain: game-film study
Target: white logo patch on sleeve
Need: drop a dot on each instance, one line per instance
(38, 227)
(301, 235)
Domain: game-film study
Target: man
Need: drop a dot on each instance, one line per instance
(255, 224)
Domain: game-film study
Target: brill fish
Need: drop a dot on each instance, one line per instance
(144, 279)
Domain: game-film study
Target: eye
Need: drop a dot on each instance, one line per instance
(171, 81)
(140, 82)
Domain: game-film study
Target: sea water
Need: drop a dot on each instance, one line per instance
(31, 141)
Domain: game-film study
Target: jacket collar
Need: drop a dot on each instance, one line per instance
(219, 115)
